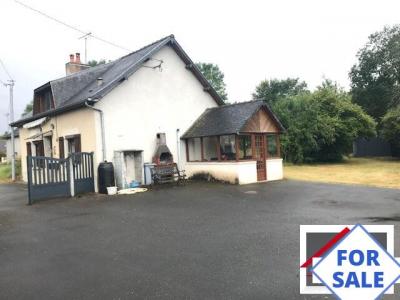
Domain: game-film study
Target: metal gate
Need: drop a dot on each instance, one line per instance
(83, 172)
(52, 177)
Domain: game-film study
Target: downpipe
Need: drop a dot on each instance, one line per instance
(103, 139)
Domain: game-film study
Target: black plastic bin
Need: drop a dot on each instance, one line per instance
(105, 176)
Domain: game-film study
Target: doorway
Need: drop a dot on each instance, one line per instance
(259, 147)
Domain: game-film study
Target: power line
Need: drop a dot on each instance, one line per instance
(71, 26)
(5, 69)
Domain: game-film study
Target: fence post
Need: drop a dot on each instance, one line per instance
(70, 165)
(29, 173)
(92, 170)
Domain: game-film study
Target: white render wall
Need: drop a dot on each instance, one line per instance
(241, 172)
(149, 102)
(274, 169)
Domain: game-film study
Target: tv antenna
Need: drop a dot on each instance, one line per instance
(85, 37)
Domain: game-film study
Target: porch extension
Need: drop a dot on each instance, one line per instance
(238, 143)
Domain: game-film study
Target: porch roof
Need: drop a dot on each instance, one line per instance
(228, 119)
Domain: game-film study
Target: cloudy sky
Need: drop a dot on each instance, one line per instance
(249, 40)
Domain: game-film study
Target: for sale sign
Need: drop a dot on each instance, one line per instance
(353, 264)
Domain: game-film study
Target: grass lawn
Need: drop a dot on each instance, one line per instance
(379, 172)
(5, 171)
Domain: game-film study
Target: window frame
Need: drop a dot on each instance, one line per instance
(76, 138)
(251, 147)
(277, 144)
(234, 148)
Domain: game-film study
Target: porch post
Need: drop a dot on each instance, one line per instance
(218, 148)
(187, 150)
(278, 145)
(237, 146)
(202, 149)
(253, 146)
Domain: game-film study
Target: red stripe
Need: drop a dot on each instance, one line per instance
(326, 247)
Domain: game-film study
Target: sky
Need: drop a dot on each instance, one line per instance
(249, 40)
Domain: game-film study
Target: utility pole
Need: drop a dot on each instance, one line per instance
(10, 84)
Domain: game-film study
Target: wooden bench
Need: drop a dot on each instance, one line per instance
(167, 173)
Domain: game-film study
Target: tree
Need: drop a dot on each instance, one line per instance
(391, 128)
(272, 90)
(28, 109)
(322, 125)
(215, 77)
(375, 78)
(94, 62)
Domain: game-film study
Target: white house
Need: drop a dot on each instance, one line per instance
(144, 105)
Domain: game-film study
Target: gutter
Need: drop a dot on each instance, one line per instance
(103, 139)
(49, 113)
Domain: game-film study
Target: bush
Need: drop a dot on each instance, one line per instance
(5, 170)
(322, 125)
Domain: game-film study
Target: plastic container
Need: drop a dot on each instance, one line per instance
(134, 184)
(112, 190)
(105, 176)
(147, 173)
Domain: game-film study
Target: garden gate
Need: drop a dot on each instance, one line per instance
(53, 177)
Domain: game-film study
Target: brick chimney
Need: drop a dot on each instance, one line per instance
(75, 65)
(77, 58)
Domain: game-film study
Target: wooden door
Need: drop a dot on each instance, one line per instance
(259, 149)
(39, 147)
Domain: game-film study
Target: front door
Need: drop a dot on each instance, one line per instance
(259, 147)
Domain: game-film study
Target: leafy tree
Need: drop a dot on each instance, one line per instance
(391, 128)
(28, 109)
(375, 79)
(272, 90)
(94, 62)
(322, 125)
(215, 76)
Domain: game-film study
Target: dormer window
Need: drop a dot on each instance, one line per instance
(43, 101)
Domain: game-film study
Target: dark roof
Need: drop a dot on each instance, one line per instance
(227, 119)
(73, 91)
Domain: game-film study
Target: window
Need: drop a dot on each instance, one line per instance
(272, 145)
(210, 148)
(74, 143)
(39, 149)
(227, 144)
(43, 101)
(245, 151)
(194, 149)
(48, 146)
(47, 101)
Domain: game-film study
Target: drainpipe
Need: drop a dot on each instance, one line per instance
(178, 148)
(103, 139)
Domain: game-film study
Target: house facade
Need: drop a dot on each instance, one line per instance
(127, 110)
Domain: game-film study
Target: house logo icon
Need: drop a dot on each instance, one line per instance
(350, 262)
